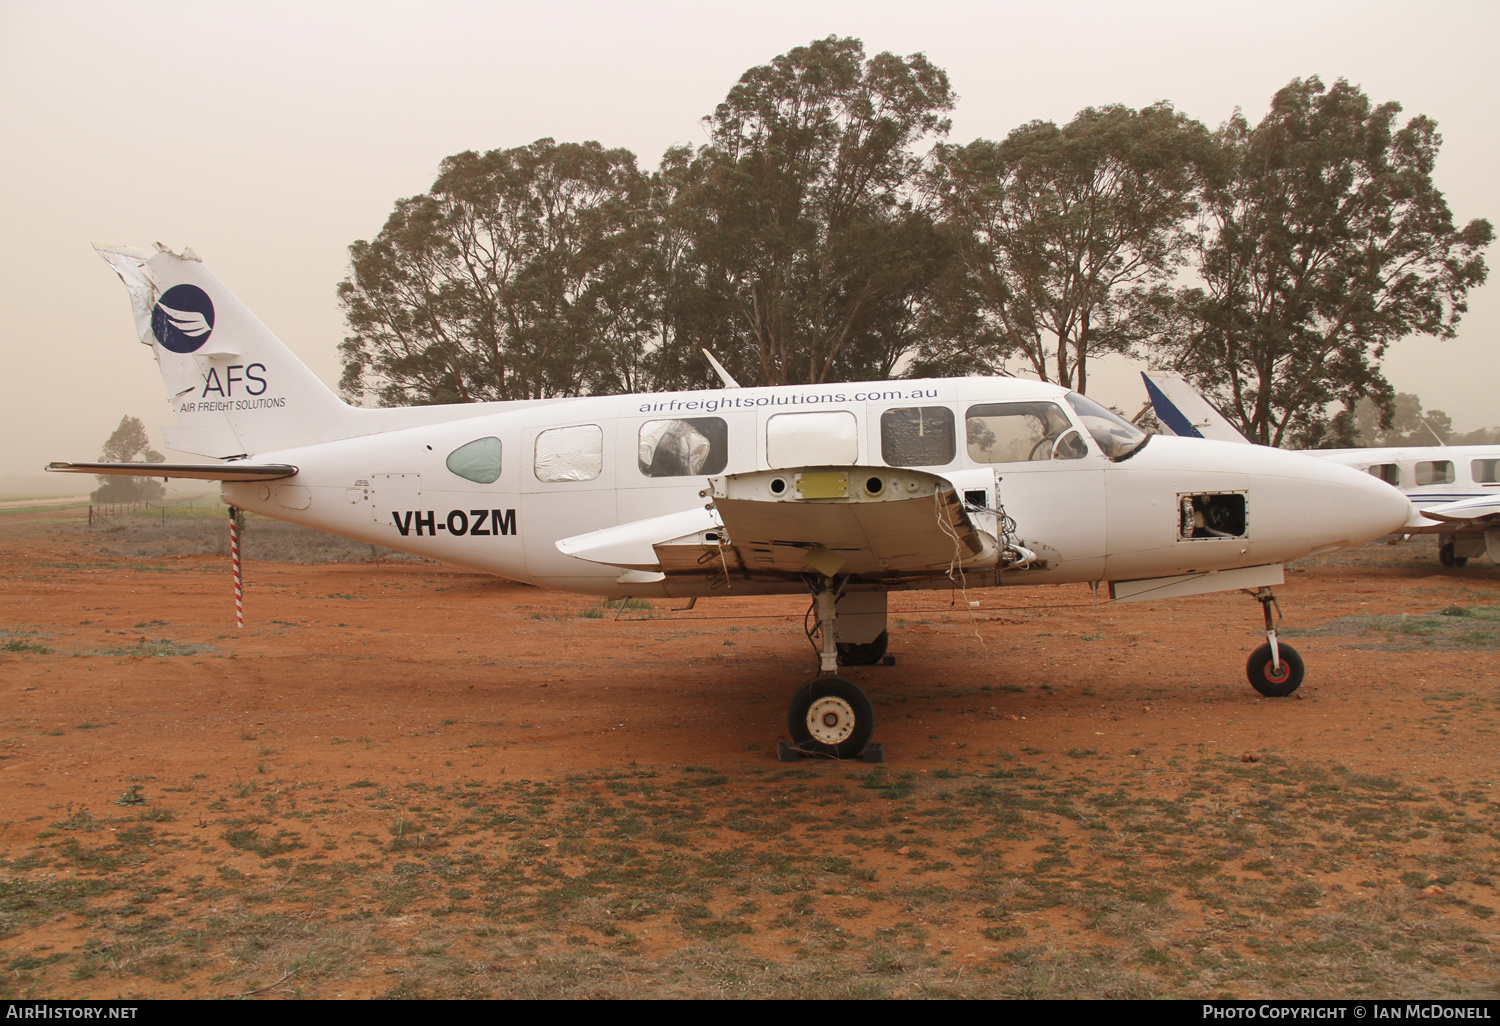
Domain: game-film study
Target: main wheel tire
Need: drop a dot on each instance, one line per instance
(832, 717)
(1448, 559)
(1267, 681)
(867, 654)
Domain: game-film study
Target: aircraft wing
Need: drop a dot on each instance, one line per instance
(197, 471)
(1478, 512)
(876, 523)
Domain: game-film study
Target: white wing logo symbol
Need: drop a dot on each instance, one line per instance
(188, 322)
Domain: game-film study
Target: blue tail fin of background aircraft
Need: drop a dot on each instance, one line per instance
(1182, 411)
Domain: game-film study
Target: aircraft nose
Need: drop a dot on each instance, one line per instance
(1330, 506)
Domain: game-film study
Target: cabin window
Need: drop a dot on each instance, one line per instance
(1022, 432)
(1486, 471)
(570, 453)
(477, 461)
(1431, 472)
(827, 438)
(683, 448)
(1390, 473)
(917, 436)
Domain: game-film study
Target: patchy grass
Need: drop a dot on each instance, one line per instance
(22, 641)
(157, 647)
(1285, 876)
(1456, 627)
(618, 608)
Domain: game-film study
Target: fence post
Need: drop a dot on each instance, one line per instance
(234, 558)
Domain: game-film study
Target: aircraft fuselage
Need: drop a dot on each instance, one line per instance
(1087, 517)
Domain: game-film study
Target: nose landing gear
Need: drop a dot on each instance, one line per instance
(1274, 669)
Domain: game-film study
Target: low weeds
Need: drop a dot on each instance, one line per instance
(1279, 876)
(1454, 627)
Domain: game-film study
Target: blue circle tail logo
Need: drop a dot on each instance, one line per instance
(183, 319)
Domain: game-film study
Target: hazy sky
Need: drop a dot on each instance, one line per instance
(270, 136)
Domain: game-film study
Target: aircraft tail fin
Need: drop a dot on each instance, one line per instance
(236, 389)
(1181, 410)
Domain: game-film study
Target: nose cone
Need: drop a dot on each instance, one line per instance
(1317, 506)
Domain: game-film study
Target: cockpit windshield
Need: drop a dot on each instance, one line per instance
(1116, 436)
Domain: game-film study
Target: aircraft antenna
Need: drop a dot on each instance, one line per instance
(724, 375)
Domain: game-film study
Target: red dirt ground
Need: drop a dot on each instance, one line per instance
(442, 675)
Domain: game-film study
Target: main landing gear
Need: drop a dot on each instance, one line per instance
(869, 654)
(1450, 558)
(831, 716)
(1274, 669)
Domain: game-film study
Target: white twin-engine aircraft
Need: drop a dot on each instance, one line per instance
(841, 491)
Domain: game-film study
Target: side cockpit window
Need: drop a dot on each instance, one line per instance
(1021, 433)
(683, 448)
(1390, 473)
(1117, 437)
(917, 436)
(477, 461)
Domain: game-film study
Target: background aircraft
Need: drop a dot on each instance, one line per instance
(1454, 489)
(843, 491)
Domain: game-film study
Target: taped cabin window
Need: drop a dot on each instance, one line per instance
(1021, 433)
(477, 461)
(683, 448)
(827, 438)
(1390, 473)
(1486, 471)
(1430, 472)
(570, 453)
(917, 436)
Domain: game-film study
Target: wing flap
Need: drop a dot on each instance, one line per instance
(876, 523)
(632, 546)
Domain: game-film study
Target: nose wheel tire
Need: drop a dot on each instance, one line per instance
(831, 717)
(1267, 680)
(867, 654)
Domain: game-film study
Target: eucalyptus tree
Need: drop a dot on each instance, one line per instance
(1069, 240)
(521, 274)
(804, 218)
(1324, 240)
(128, 443)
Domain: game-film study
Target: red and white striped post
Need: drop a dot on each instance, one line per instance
(234, 558)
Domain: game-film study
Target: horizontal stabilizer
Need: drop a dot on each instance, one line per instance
(196, 471)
